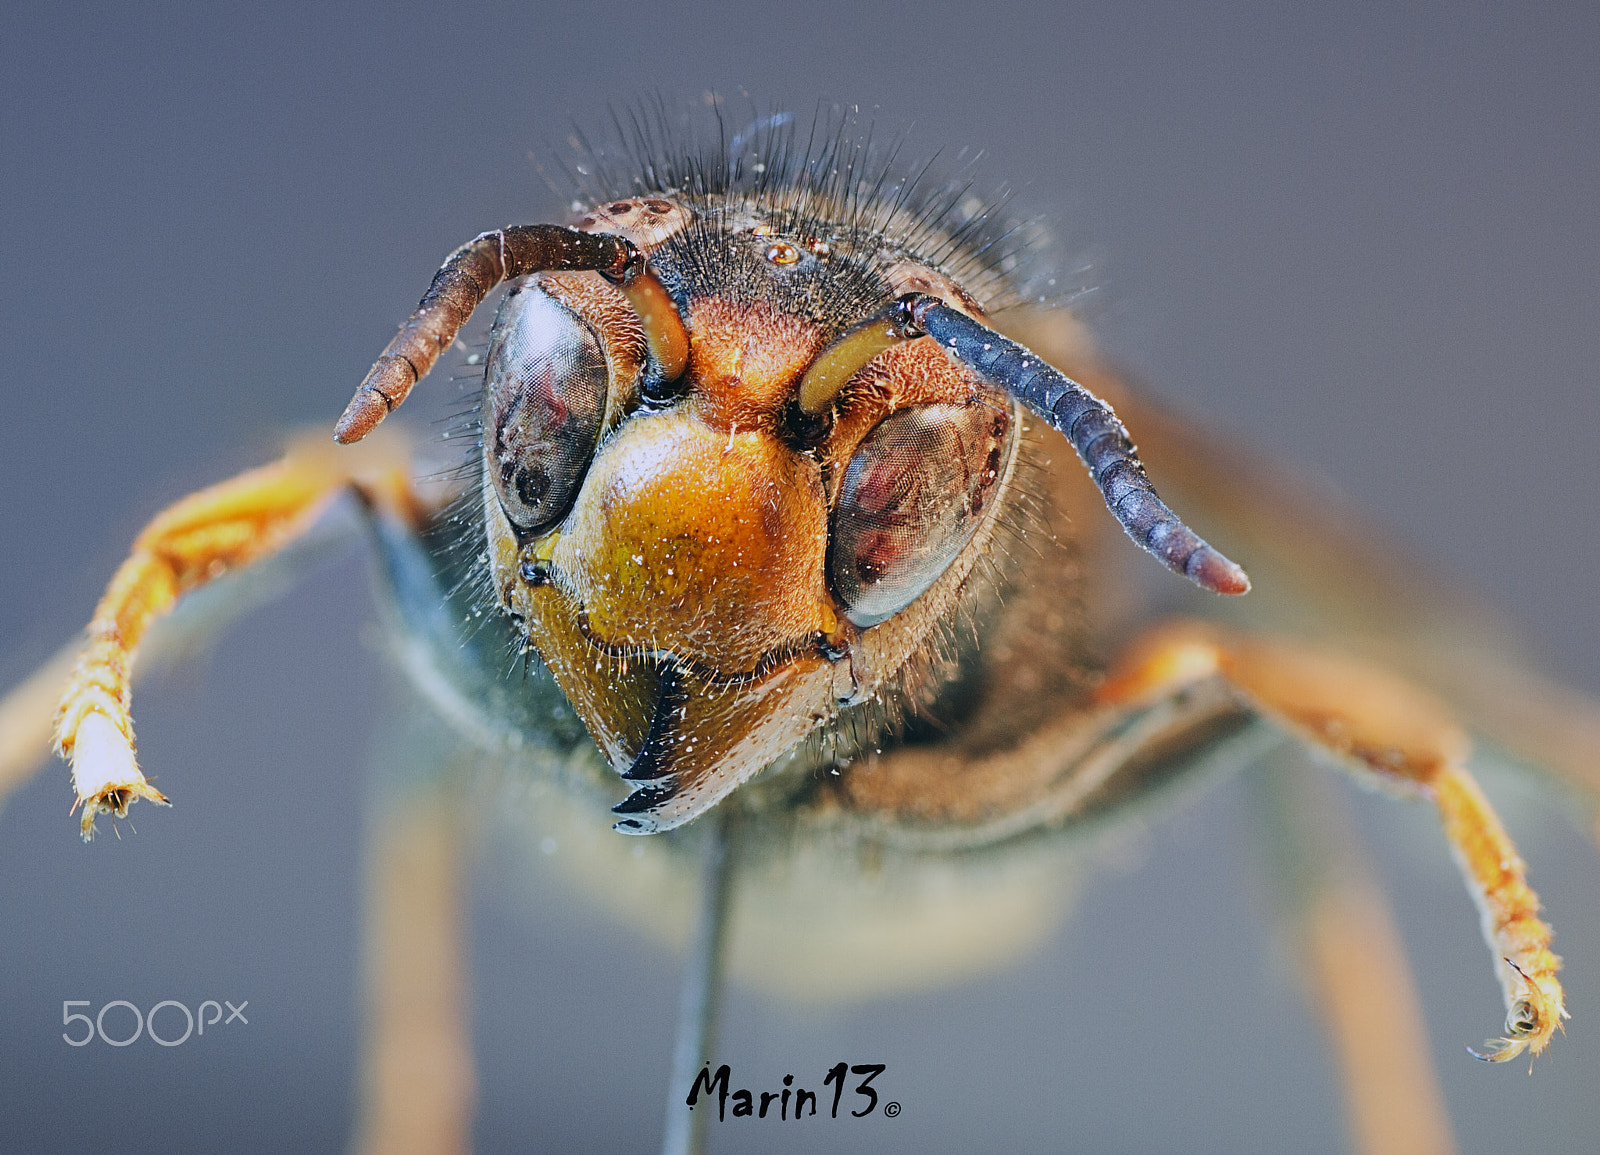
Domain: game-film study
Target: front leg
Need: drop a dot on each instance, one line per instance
(192, 542)
(1386, 729)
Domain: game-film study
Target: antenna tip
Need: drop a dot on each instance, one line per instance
(1209, 570)
(360, 417)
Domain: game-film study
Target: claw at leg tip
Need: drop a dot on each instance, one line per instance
(104, 772)
(1534, 1018)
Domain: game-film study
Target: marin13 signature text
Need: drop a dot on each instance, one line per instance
(790, 1101)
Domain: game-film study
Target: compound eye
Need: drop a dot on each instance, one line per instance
(545, 395)
(910, 503)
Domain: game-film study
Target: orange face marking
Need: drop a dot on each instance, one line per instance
(699, 531)
(706, 543)
(745, 361)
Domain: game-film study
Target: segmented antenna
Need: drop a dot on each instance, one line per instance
(1091, 427)
(466, 278)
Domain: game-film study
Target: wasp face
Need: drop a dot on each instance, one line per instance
(742, 448)
(709, 570)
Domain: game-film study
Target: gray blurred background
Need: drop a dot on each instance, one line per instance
(1362, 239)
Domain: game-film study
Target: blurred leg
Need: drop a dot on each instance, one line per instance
(417, 1082)
(27, 716)
(1354, 965)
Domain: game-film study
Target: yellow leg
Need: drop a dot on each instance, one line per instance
(1382, 726)
(192, 542)
(417, 1080)
(1369, 1008)
(1354, 965)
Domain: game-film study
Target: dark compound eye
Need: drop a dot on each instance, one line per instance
(545, 395)
(910, 503)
